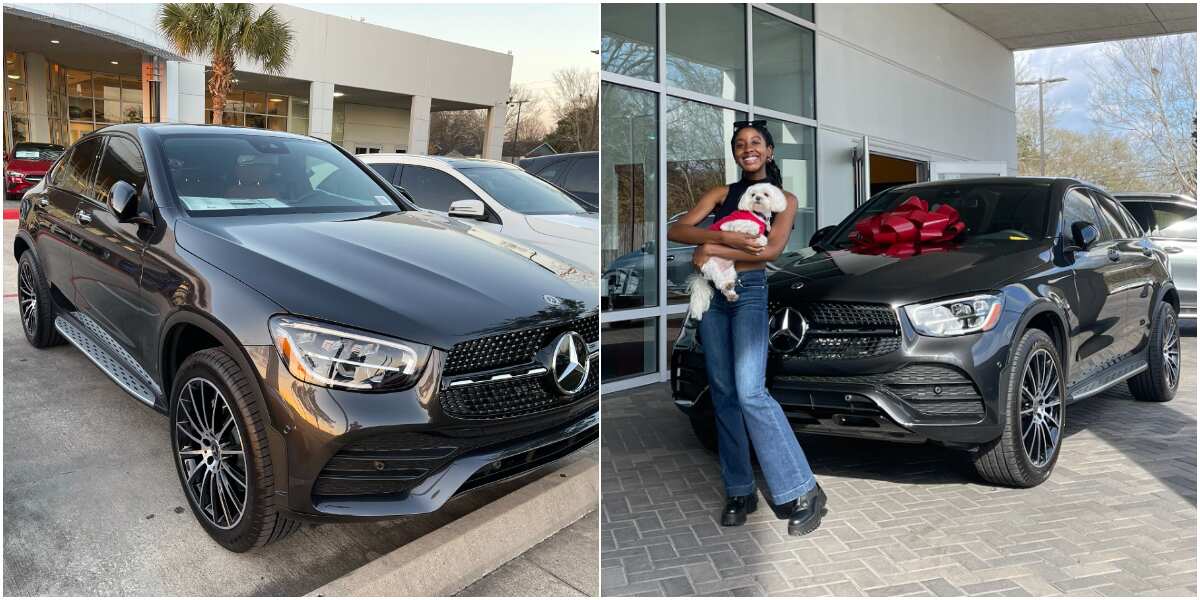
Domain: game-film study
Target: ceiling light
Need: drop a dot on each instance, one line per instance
(276, 100)
(53, 41)
(338, 94)
(114, 62)
(13, 76)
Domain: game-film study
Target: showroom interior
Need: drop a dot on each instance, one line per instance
(858, 97)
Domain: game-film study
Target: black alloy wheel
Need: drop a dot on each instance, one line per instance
(34, 304)
(1164, 359)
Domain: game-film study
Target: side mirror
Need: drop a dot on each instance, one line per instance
(123, 200)
(820, 234)
(468, 209)
(1083, 236)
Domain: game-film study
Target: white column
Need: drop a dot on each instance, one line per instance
(493, 138)
(320, 110)
(185, 85)
(418, 125)
(37, 83)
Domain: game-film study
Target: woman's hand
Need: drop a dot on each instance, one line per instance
(743, 242)
(700, 256)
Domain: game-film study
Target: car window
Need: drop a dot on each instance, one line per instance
(1164, 220)
(216, 173)
(122, 161)
(584, 176)
(386, 170)
(553, 170)
(521, 192)
(1077, 207)
(433, 189)
(25, 151)
(79, 169)
(56, 176)
(1111, 213)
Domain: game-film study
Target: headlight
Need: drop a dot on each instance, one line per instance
(339, 357)
(959, 316)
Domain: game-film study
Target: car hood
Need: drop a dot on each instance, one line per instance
(412, 275)
(843, 275)
(581, 228)
(29, 167)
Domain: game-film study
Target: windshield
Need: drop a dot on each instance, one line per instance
(1164, 219)
(217, 173)
(521, 192)
(37, 152)
(991, 212)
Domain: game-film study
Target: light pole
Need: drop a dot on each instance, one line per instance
(1041, 83)
(517, 129)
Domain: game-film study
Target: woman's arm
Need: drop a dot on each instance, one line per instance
(685, 231)
(777, 240)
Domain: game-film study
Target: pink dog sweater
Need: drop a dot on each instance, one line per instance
(743, 215)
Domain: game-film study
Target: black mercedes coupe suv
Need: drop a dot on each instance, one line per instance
(324, 350)
(967, 313)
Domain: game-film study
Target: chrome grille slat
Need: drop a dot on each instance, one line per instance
(844, 331)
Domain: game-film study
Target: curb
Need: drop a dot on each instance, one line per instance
(446, 561)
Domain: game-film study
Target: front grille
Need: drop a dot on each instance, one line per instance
(843, 331)
(929, 389)
(513, 348)
(507, 398)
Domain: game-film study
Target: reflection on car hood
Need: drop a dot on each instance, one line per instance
(413, 275)
(842, 275)
(581, 228)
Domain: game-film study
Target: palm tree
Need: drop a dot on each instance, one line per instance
(227, 32)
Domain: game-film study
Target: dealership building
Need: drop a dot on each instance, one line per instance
(73, 68)
(858, 98)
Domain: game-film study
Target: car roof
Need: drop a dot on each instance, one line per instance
(1154, 197)
(998, 180)
(185, 128)
(418, 159)
(43, 145)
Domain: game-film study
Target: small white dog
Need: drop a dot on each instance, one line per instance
(753, 216)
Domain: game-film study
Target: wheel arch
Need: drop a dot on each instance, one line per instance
(22, 244)
(1048, 317)
(186, 332)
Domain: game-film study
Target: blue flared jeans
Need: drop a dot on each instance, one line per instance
(734, 336)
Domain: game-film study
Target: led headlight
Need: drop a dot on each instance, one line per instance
(958, 316)
(339, 357)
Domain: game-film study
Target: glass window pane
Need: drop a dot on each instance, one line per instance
(627, 43)
(122, 161)
(628, 349)
(259, 121)
(804, 11)
(277, 105)
(78, 130)
(234, 101)
(298, 125)
(256, 102)
(108, 111)
(80, 109)
(698, 159)
(431, 188)
(79, 83)
(16, 98)
(784, 75)
(131, 113)
(629, 198)
(106, 86)
(706, 49)
(299, 108)
(20, 128)
(796, 153)
(14, 64)
(277, 123)
(131, 89)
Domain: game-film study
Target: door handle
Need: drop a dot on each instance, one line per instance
(83, 217)
(1114, 254)
(670, 258)
(1172, 249)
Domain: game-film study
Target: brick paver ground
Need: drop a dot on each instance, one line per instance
(1117, 517)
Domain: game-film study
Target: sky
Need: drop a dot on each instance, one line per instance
(1072, 95)
(543, 38)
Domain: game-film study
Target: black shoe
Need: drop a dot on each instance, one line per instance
(736, 509)
(806, 512)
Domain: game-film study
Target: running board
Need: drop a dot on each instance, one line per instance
(105, 360)
(1115, 374)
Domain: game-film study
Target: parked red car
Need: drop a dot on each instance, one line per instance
(26, 165)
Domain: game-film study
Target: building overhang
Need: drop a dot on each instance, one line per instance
(1030, 26)
(78, 46)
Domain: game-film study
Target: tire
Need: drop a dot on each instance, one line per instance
(205, 445)
(1159, 382)
(1027, 449)
(704, 425)
(35, 305)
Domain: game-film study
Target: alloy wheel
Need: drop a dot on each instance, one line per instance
(209, 444)
(1041, 408)
(1170, 351)
(27, 298)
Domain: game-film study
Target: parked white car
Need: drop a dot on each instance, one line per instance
(500, 197)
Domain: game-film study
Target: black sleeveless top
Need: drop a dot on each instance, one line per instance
(730, 204)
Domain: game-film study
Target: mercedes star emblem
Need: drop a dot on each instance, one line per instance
(552, 300)
(788, 328)
(569, 363)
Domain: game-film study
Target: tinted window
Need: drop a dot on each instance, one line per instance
(221, 172)
(1113, 218)
(1079, 207)
(388, 171)
(1164, 220)
(122, 162)
(992, 212)
(27, 151)
(552, 171)
(433, 189)
(521, 192)
(584, 176)
(76, 172)
(56, 176)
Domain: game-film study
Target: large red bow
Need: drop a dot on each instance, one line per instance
(910, 229)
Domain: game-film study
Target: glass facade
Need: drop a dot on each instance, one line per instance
(94, 100)
(675, 77)
(261, 109)
(16, 102)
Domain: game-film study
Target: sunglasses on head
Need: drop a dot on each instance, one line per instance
(755, 123)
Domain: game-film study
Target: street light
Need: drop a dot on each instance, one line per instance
(1041, 83)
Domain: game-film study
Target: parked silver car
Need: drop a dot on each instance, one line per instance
(1170, 221)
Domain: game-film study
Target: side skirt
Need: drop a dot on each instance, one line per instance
(86, 335)
(1128, 367)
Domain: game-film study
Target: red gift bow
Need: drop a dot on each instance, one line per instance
(910, 229)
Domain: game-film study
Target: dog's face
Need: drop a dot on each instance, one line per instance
(763, 198)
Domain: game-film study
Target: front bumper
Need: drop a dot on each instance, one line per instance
(352, 456)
